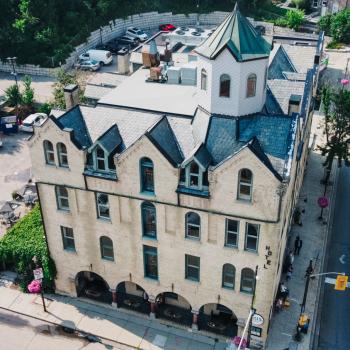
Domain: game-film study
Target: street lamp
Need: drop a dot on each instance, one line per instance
(297, 336)
(12, 61)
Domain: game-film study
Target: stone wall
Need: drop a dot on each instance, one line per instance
(117, 27)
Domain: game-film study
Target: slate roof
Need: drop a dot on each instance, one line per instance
(111, 139)
(280, 63)
(238, 35)
(73, 119)
(163, 137)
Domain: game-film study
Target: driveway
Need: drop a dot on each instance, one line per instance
(15, 165)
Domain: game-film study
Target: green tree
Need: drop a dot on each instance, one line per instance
(325, 23)
(28, 93)
(13, 95)
(295, 18)
(336, 106)
(340, 26)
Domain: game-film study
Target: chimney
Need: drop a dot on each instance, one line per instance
(123, 61)
(294, 104)
(71, 95)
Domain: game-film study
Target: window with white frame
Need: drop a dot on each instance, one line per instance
(49, 152)
(231, 234)
(101, 161)
(193, 225)
(67, 238)
(252, 237)
(247, 280)
(245, 184)
(62, 198)
(192, 267)
(62, 155)
(193, 176)
(102, 204)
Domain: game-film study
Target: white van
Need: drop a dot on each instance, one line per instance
(101, 56)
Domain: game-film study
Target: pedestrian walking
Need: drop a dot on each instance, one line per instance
(309, 269)
(297, 245)
(291, 257)
(289, 272)
(284, 292)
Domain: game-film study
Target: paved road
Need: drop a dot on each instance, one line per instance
(335, 317)
(19, 332)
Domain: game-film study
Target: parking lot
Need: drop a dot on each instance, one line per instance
(15, 166)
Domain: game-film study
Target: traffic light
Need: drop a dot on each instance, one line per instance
(341, 282)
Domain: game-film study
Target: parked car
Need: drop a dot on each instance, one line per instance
(136, 33)
(101, 56)
(111, 46)
(90, 65)
(36, 119)
(128, 41)
(167, 27)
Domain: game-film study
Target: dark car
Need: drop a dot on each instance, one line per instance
(167, 27)
(110, 46)
(127, 41)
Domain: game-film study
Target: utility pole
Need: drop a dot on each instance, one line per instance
(12, 61)
(252, 307)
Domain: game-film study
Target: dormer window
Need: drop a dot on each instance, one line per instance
(100, 159)
(193, 176)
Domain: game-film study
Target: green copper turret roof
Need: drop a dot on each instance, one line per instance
(238, 35)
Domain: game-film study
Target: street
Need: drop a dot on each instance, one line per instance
(20, 332)
(335, 322)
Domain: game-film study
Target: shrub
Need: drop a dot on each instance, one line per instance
(295, 18)
(13, 95)
(325, 23)
(22, 242)
(340, 26)
(335, 45)
(45, 108)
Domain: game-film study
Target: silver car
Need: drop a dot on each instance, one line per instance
(90, 65)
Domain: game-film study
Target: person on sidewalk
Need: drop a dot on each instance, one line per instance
(297, 245)
(309, 269)
(291, 257)
(289, 272)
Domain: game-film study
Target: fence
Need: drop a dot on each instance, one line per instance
(117, 27)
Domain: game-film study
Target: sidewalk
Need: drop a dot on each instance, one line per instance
(131, 332)
(314, 235)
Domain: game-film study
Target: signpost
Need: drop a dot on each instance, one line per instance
(38, 276)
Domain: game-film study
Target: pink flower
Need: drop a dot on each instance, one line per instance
(345, 82)
(34, 287)
(237, 340)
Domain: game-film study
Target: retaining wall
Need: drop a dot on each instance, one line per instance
(117, 27)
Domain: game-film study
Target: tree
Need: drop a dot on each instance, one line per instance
(325, 23)
(28, 93)
(336, 106)
(295, 18)
(13, 95)
(340, 26)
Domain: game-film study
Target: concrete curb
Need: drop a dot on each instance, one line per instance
(316, 325)
(73, 328)
(338, 51)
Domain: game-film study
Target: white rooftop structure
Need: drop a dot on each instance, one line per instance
(135, 92)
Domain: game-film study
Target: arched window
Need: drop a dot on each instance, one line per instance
(228, 276)
(149, 220)
(194, 174)
(204, 79)
(100, 159)
(193, 225)
(106, 246)
(62, 198)
(49, 152)
(147, 179)
(251, 85)
(62, 155)
(225, 82)
(247, 280)
(245, 184)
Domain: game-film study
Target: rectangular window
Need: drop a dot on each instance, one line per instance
(100, 159)
(150, 262)
(192, 267)
(252, 237)
(67, 238)
(231, 235)
(149, 225)
(62, 198)
(147, 180)
(102, 205)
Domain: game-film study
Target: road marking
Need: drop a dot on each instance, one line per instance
(332, 281)
(342, 259)
(288, 335)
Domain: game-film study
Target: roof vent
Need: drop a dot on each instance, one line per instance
(180, 32)
(199, 30)
(185, 29)
(196, 34)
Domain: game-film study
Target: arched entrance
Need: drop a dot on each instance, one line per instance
(90, 285)
(217, 318)
(133, 297)
(173, 307)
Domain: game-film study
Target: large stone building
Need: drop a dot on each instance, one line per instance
(169, 199)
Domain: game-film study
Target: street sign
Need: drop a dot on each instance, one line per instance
(341, 282)
(38, 274)
(257, 320)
